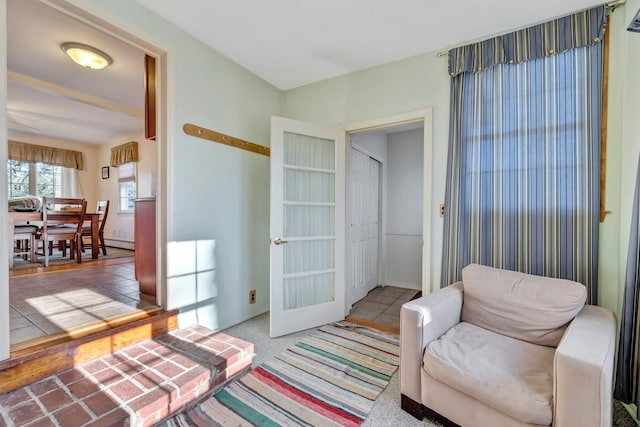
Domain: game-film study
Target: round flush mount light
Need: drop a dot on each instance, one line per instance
(87, 56)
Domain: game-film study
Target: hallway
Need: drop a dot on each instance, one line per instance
(382, 305)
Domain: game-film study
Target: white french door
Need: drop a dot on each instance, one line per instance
(307, 225)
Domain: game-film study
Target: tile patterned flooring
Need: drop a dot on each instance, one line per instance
(48, 303)
(382, 305)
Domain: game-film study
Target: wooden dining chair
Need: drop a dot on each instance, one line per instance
(102, 208)
(24, 240)
(62, 220)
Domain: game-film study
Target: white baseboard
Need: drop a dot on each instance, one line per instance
(122, 244)
(397, 284)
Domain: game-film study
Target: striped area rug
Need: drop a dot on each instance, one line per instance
(329, 378)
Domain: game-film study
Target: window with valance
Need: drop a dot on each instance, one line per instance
(124, 157)
(42, 171)
(30, 153)
(524, 151)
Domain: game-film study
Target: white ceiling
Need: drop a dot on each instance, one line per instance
(290, 43)
(91, 106)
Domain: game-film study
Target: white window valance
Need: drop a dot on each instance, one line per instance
(31, 153)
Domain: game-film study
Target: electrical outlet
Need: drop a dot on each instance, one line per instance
(116, 233)
(441, 210)
(252, 296)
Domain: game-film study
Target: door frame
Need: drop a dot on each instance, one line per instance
(164, 53)
(424, 116)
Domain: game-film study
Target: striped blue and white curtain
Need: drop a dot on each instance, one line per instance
(524, 152)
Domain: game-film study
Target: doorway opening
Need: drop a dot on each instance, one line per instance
(110, 295)
(385, 179)
(316, 240)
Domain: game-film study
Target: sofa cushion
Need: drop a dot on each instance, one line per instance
(512, 376)
(530, 308)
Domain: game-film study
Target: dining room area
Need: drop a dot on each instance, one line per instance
(81, 151)
(72, 270)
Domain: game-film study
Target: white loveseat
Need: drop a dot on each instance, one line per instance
(503, 348)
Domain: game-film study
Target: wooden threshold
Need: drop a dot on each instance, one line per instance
(90, 263)
(34, 363)
(374, 325)
(24, 347)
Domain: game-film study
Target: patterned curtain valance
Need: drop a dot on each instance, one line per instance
(125, 153)
(547, 39)
(30, 153)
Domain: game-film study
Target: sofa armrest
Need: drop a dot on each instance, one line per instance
(422, 321)
(583, 370)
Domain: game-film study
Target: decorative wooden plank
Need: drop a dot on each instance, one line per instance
(221, 138)
(149, 97)
(603, 133)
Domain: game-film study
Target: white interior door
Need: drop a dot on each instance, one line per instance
(307, 225)
(363, 224)
(358, 226)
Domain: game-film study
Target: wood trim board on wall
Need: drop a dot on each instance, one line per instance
(603, 126)
(149, 97)
(221, 138)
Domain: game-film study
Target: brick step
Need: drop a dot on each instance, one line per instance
(137, 386)
(28, 365)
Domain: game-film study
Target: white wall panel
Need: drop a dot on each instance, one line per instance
(404, 260)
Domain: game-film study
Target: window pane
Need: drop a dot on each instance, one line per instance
(304, 256)
(309, 221)
(127, 196)
(304, 186)
(308, 151)
(17, 178)
(308, 290)
(48, 180)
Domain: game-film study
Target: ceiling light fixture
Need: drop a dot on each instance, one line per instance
(87, 56)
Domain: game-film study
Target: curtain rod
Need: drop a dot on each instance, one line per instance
(611, 6)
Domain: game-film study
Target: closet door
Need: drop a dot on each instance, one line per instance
(358, 224)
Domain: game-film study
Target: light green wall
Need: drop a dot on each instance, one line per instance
(402, 86)
(221, 193)
(422, 81)
(625, 115)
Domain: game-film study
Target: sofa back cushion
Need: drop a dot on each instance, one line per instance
(530, 308)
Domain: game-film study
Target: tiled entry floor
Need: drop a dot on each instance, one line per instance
(382, 305)
(45, 304)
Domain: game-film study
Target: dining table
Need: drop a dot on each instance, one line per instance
(25, 217)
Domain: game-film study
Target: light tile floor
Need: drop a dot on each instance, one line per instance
(382, 305)
(49, 303)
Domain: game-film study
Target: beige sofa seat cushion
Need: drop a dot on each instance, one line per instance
(512, 376)
(526, 307)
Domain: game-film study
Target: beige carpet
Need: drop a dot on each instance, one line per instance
(622, 417)
(386, 411)
(56, 259)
